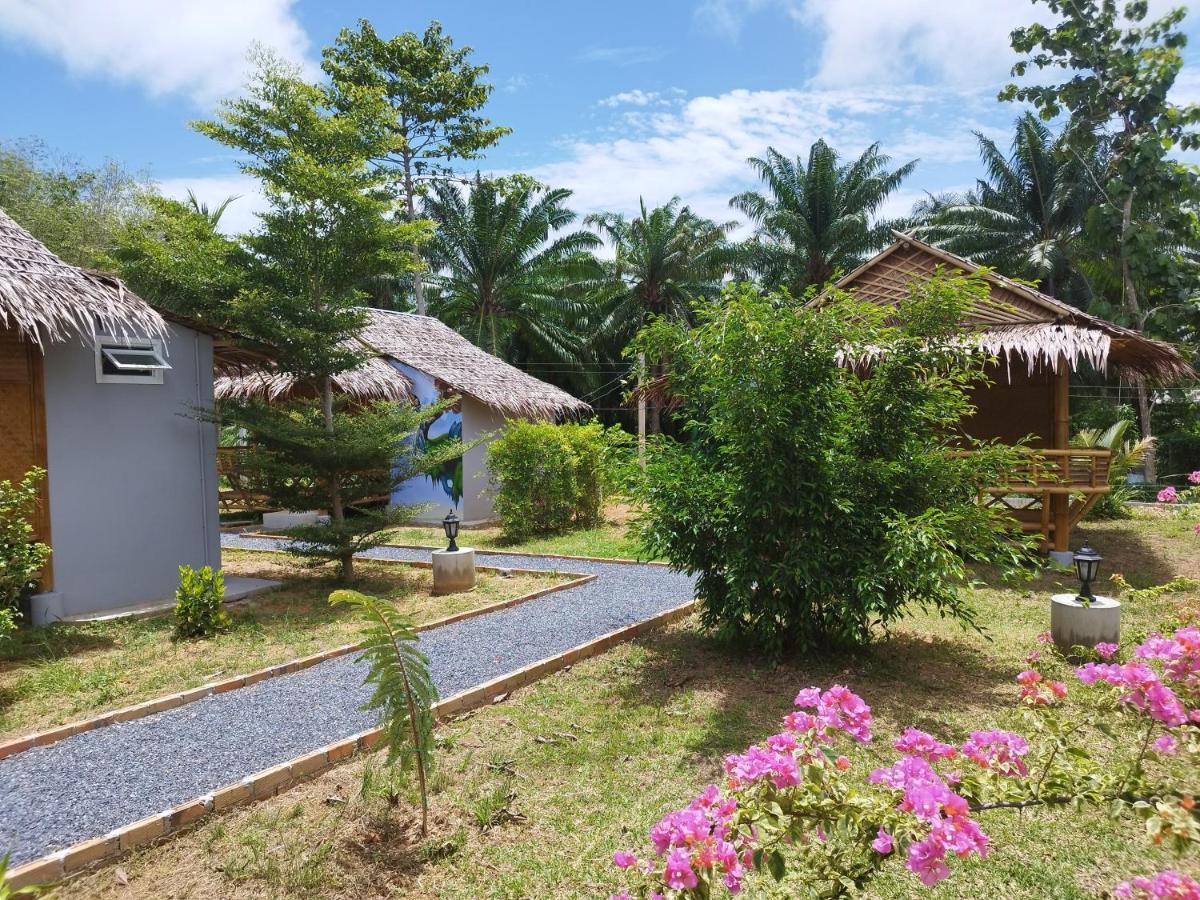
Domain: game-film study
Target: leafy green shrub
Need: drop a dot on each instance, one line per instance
(815, 500)
(21, 557)
(552, 478)
(198, 603)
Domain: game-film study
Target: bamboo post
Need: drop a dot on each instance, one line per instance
(1061, 440)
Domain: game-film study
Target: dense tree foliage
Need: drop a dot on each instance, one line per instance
(329, 226)
(434, 96)
(813, 504)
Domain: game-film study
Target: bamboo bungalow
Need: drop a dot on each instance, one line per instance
(1037, 342)
(96, 387)
(417, 359)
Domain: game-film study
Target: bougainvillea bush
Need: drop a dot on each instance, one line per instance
(819, 490)
(801, 801)
(1184, 497)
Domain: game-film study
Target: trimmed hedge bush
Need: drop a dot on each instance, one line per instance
(551, 478)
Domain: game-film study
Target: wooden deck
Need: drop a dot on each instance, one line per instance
(1052, 489)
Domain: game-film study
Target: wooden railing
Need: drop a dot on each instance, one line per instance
(1074, 471)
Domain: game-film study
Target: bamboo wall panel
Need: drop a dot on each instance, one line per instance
(23, 420)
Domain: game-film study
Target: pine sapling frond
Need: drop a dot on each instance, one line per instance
(404, 692)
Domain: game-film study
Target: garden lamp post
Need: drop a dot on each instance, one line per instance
(1087, 567)
(450, 526)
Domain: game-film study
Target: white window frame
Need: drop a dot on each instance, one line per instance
(106, 342)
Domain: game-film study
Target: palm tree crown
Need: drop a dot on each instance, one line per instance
(1025, 218)
(505, 272)
(665, 259)
(816, 217)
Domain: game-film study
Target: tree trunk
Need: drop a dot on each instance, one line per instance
(1145, 406)
(656, 407)
(337, 511)
(411, 204)
(1145, 402)
(641, 410)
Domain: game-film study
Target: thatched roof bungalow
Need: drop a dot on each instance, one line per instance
(420, 359)
(96, 387)
(1037, 342)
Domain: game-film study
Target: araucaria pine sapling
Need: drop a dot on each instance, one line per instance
(404, 692)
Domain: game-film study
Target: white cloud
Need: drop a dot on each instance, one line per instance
(698, 150)
(240, 216)
(623, 56)
(192, 47)
(727, 16)
(516, 83)
(636, 97)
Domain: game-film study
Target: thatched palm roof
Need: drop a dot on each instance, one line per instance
(1017, 322)
(432, 347)
(48, 300)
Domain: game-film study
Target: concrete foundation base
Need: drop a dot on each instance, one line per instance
(287, 518)
(453, 571)
(1072, 623)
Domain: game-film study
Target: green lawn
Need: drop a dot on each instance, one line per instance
(65, 672)
(534, 795)
(610, 540)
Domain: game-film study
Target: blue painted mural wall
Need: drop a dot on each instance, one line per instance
(444, 489)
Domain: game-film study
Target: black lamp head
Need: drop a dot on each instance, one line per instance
(450, 526)
(1087, 567)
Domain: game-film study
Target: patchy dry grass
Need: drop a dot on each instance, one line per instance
(532, 796)
(68, 671)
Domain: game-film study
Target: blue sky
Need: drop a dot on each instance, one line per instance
(614, 100)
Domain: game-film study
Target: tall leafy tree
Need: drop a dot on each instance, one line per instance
(73, 209)
(817, 216)
(434, 96)
(665, 260)
(506, 263)
(1118, 74)
(1026, 217)
(328, 227)
(174, 257)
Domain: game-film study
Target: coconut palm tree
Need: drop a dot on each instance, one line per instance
(1026, 217)
(505, 270)
(212, 215)
(817, 217)
(665, 259)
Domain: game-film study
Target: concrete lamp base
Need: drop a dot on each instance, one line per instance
(1072, 623)
(453, 571)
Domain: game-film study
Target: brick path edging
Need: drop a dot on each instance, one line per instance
(269, 782)
(171, 701)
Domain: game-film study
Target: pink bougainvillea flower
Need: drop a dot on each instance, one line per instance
(1196, 528)
(1033, 656)
(1194, 477)
(999, 751)
(624, 895)
(882, 843)
(808, 698)
(842, 762)
(918, 743)
(1028, 677)
(927, 861)
(1057, 688)
(1106, 650)
(1168, 495)
(1045, 638)
(1168, 885)
(678, 873)
(1166, 744)
(623, 859)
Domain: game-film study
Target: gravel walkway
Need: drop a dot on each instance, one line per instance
(89, 784)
